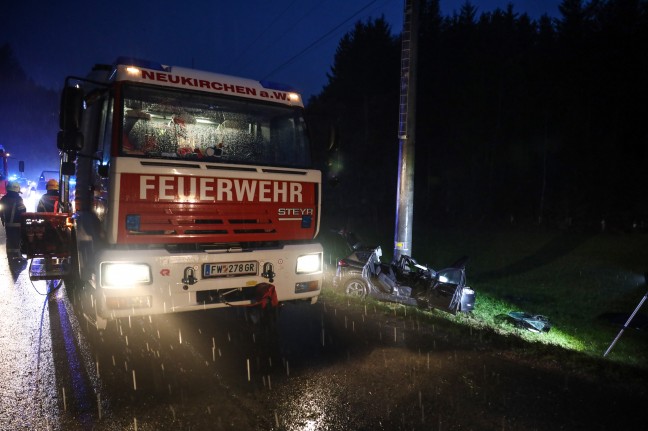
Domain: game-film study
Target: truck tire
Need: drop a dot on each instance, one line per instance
(73, 280)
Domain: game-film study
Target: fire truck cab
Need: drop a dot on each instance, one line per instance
(194, 190)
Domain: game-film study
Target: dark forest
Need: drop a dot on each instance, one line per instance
(537, 121)
(518, 120)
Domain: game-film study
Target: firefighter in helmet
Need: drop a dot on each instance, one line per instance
(49, 202)
(12, 209)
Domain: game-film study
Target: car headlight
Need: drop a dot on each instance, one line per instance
(309, 263)
(120, 275)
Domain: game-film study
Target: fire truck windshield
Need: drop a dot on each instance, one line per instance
(166, 123)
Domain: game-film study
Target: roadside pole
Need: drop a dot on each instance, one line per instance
(406, 132)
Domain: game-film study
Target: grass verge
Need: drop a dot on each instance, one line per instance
(586, 283)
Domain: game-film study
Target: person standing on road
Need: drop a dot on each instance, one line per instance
(49, 202)
(12, 209)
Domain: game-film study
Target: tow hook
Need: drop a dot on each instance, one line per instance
(189, 276)
(268, 272)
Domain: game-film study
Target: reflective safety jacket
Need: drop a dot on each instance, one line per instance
(12, 208)
(49, 202)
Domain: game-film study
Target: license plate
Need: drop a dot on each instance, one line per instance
(230, 269)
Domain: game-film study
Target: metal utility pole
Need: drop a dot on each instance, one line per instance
(406, 132)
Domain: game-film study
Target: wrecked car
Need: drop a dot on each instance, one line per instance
(362, 274)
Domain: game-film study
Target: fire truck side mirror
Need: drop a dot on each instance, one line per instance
(71, 109)
(68, 168)
(69, 140)
(102, 170)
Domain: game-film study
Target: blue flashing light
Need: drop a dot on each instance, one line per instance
(277, 86)
(138, 62)
(307, 221)
(133, 222)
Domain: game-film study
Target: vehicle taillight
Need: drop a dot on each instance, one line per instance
(342, 263)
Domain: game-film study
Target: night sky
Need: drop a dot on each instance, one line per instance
(288, 41)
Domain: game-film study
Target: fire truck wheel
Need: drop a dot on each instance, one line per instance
(73, 282)
(356, 287)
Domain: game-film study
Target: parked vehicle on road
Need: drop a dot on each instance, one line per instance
(197, 190)
(27, 186)
(4, 170)
(41, 185)
(362, 274)
(44, 177)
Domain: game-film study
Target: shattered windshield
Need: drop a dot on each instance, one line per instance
(161, 123)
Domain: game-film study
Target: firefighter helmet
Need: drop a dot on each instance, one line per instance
(13, 186)
(52, 185)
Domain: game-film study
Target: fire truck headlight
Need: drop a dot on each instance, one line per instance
(309, 263)
(119, 275)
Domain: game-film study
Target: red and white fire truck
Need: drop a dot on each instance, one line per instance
(4, 171)
(194, 190)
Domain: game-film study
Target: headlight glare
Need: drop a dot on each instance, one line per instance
(309, 263)
(119, 275)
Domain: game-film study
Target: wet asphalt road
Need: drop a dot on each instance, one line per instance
(328, 366)
(213, 369)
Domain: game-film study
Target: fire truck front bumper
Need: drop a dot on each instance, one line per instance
(145, 282)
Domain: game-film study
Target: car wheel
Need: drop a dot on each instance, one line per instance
(356, 287)
(423, 302)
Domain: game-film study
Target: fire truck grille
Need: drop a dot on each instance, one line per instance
(165, 225)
